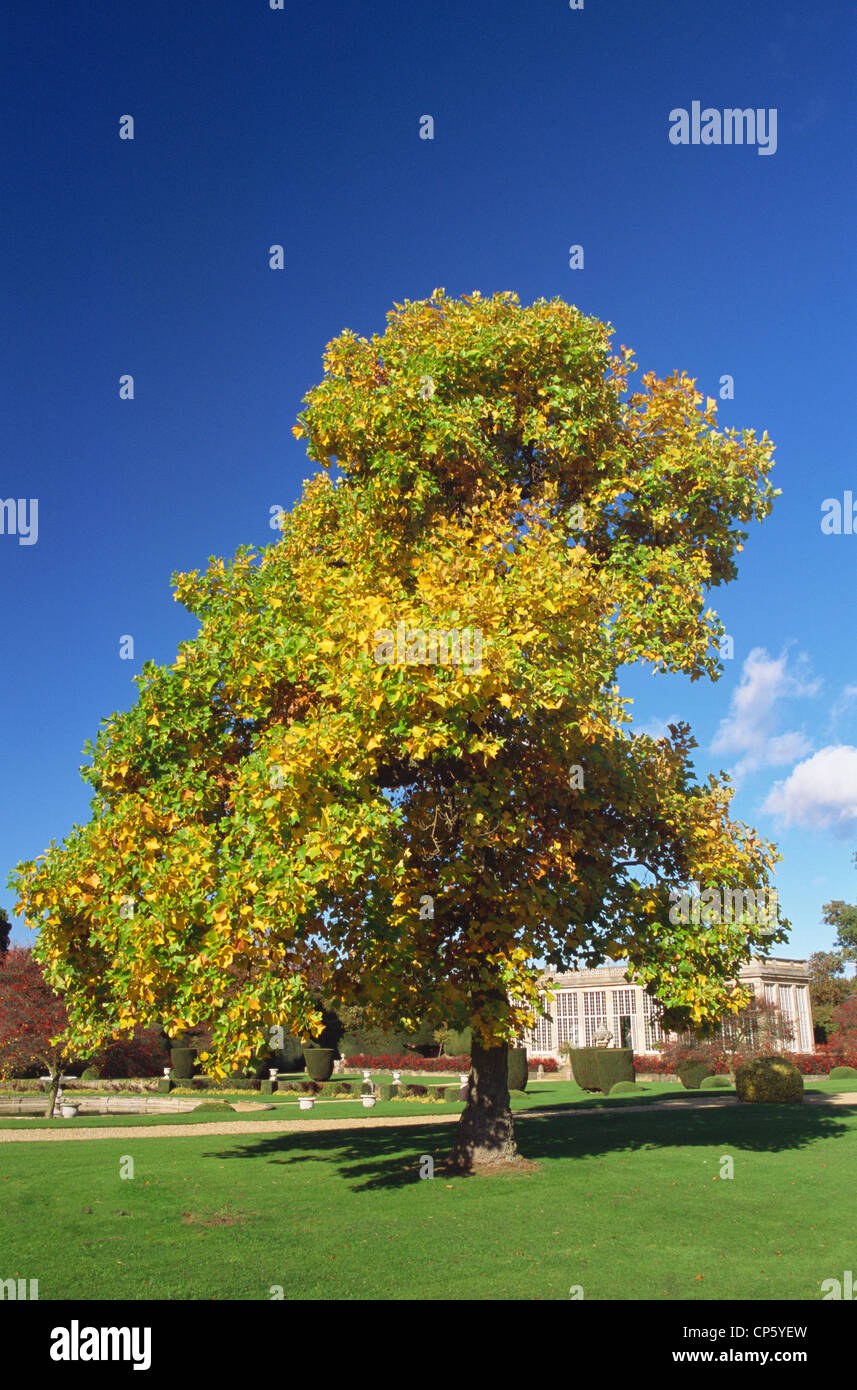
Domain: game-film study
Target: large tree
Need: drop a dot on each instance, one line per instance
(842, 916)
(311, 792)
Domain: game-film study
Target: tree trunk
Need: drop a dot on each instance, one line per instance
(56, 1076)
(486, 1130)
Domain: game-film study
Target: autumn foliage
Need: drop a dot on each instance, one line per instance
(31, 1016)
(845, 1026)
(278, 807)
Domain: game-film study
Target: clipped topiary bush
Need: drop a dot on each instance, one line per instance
(182, 1062)
(769, 1080)
(386, 1090)
(599, 1068)
(584, 1067)
(90, 1074)
(714, 1083)
(837, 1073)
(692, 1074)
(319, 1062)
(614, 1064)
(165, 1085)
(623, 1088)
(517, 1069)
(207, 1107)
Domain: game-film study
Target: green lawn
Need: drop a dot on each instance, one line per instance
(538, 1095)
(627, 1206)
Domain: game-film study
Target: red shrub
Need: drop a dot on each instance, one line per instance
(31, 1015)
(144, 1054)
(845, 1026)
(407, 1061)
(816, 1063)
(549, 1063)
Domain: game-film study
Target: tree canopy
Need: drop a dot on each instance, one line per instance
(842, 916)
(310, 792)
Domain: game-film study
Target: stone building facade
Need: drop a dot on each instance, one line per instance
(583, 1000)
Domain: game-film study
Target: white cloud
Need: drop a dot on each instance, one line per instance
(820, 792)
(786, 748)
(657, 728)
(748, 728)
(843, 704)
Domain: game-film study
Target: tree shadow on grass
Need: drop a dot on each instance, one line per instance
(391, 1157)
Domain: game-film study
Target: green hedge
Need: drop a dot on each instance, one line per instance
(842, 1072)
(371, 1042)
(623, 1088)
(458, 1044)
(182, 1061)
(290, 1056)
(716, 1082)
(584, 1067)
(599, 1068)
(769, 1081)
(319, 1062)
(692, 1074)
(339, 1088)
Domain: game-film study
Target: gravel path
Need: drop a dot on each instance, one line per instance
(189, 1131)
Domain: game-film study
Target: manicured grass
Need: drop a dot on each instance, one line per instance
(628, 1206)
(539, 1095)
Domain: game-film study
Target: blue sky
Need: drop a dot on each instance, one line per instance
(300, 127)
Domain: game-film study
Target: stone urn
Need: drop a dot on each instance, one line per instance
(603, 1036)
(368, 1102)
(306, 1102)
